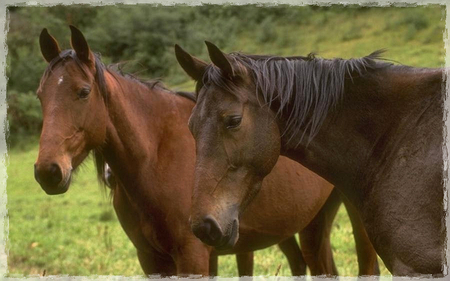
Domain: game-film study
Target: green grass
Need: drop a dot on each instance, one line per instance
(412, 36)
(78, 234)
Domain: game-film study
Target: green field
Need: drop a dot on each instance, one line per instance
(410, 36)
(78, 233)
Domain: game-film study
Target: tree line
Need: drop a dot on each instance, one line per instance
(140, 37)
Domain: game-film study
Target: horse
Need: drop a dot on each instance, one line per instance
(370, 127)
(140, 130)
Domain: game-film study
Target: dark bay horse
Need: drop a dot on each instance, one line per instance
(140, 130)
(371, 128)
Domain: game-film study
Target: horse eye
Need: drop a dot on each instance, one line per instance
(233, 122)
(84, 93)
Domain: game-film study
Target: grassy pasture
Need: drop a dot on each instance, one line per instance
(78, 233)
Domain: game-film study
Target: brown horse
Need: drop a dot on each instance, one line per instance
(140, 130)
(371, 128)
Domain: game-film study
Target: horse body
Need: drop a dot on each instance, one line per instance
(165, 178)
(153, 166)
(140, 131)
(150, 189)
(394, 176)
(411, 180)
(371, 128)
(262, 227)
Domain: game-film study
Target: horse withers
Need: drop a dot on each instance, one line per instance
(371, 128)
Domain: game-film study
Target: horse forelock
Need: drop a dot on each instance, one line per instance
(71, 54)
(304, 88)
(214, 76)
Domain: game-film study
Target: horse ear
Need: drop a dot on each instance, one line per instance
(193, 66)
(49, 46)
(219, 59)
(80, 45)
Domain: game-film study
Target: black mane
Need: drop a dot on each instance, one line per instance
(306, 86)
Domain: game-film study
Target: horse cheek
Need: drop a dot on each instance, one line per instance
(96, 127)
(267, 150)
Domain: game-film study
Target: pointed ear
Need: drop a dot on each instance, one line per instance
(49, 46)
(220, 59)
(193, 66)
(80, 45)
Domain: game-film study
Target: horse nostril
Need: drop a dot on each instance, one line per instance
(214, 231)
(208, 230)
(55, 174)
(48, 176)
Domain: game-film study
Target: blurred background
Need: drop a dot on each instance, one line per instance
(78, 233)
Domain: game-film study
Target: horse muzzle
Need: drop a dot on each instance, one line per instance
(209, 232)
(52, 178)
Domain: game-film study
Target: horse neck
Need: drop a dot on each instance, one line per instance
(139, 121)
(376, 112)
